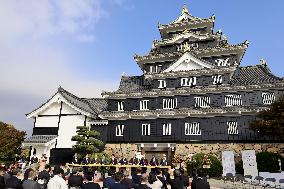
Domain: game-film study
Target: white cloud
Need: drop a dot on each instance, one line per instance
(39, 18)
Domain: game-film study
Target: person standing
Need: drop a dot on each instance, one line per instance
(75, 179)
(164, 161)
(200, 182)
(117, 179)
(44, 176)
(154, 161)
(34, 159)
(86, 161)
(177, 182)
(144, 182)
(57, 181)
(75, 159)
(109, 181)
(30, 183)
(2, 181)
(14, 181)
(90, 183)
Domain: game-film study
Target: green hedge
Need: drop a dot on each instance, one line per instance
(268, 162)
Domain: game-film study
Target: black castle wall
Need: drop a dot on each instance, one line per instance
(212, 129)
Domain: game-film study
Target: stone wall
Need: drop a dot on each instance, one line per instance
(128, 150)
(183, 150)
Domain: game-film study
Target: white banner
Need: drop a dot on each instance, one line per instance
(249, 163)
(228, 162)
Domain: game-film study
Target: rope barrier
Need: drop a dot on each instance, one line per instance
(127, 166)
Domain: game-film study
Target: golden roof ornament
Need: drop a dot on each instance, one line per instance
(184, 9)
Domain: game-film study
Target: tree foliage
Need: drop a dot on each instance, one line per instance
(86, 141)
(271, 122)
(10, 141)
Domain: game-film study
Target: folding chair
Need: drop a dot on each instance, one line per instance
(270, 182)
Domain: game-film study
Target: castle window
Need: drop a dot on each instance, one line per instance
(144, 105)
(222, 62)
(217, 79)
(145, 129)
(120, 106)
(192, 128)
(155, 69)
(232, 127)
(268, 98)
(169, 103)
(233, 100)
(188, 82)
(202, 102)
(167, 129)
(162, 84)
(119, 130)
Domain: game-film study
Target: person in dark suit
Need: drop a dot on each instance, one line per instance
(30, 183)
(126, 180)
(89, 183)
(136, 178)
(118, 178)
(164, 161)
(123, 161)
(2, 181)
(75, 159)
(13, 181)
(75, 179)
(144, 182)
(86, 160)
(154, 161)
(109, 181)
(184, 177)
(200, 182)
(113, 161)
(103, 168)
(34, 159)
(177, 182)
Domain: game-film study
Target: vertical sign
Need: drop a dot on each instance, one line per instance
(249, 163)
(228, 162)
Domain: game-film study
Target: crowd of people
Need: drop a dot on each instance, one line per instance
(35, 176)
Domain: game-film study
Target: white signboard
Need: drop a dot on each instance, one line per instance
(228, 162)
(249, 163)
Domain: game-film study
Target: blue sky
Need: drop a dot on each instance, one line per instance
(85, 45)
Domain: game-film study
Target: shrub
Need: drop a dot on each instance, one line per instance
(239, 167)
(200, 159)
(268, 161)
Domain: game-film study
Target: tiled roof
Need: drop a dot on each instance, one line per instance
(91, 105)
(132, 83)
(40, 139)
(253, 75)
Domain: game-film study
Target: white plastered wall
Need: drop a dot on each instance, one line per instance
(50, 121)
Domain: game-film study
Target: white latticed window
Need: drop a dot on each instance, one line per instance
(162, 84)
(217, 79)
(192, 128)
(170, 103)
(167, 129)
(268, 98)
(232, 127)
(144, 105)
(188, 82)
(119, 130)
(202, 102)
(120, 106)
(155, 69)
(222, 62)
(233, 100)
(145, 129)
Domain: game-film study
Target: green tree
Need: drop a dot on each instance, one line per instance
(271, 121)
(86, 141)
(10, 141)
